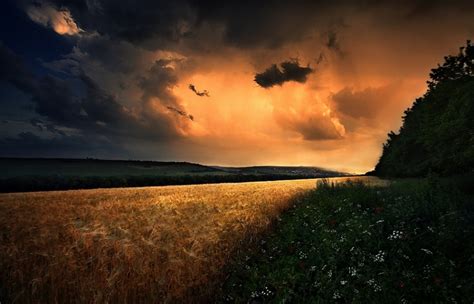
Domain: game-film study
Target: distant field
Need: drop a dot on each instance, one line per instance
(23, 174)
(149, 244)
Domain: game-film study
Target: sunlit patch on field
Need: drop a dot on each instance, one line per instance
(131, 244)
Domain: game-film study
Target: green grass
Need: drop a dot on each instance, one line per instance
(410, 242)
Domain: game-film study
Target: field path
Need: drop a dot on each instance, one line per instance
(153, 244)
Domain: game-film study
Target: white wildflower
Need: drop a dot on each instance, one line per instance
(396, 235)
(374, 285)
(429, 252)
(379, 257)
(302, 255)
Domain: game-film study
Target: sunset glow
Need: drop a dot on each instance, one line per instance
(130, 87)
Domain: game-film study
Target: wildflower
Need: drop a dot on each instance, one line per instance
(429, 252)
(396, 235)
(379, 222)
(374, 285)
(427, 269)
(343, 282)
(379, 257)
(302, 255)
(266, 291)
(352, 271)
(313, 268)
(336, 295)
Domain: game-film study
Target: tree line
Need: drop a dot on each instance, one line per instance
(437, 134)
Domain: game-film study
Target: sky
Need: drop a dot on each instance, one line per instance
(315, 83)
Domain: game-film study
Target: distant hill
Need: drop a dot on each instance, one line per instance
(437, 135)
(17, 167)
(35, 174)
(287, 170)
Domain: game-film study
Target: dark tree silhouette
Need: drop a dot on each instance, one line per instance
(437, 134)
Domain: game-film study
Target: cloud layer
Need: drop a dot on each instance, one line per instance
(127, 86)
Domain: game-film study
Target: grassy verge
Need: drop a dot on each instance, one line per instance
(406, 243)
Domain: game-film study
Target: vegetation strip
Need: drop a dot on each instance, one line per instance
(410, 242)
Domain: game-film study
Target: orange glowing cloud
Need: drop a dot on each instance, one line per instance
(60, 20)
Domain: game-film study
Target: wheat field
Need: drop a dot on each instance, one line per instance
(153, 244)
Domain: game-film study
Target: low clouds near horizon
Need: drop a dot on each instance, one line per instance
(119, 79)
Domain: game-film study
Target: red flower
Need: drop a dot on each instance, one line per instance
(378, 210)
(302, 265)
(332, 222)
(401, 285)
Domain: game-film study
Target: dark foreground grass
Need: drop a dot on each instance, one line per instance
(410, 242)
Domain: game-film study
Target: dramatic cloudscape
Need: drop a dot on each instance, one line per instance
(231, 83)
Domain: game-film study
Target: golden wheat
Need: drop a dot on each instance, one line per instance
(153, 244)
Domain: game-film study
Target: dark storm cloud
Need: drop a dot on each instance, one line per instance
(159, 81)
(205, 93)
(269, 24)
(333, 43)
(289, 71)
(362, 104)
(13, 70)
(27, 144)
(317, 130)
(149, 23)
(43, 126)
(155, 24)
(180, 112)
(311, 125)
(83, 105)
(114, 55)
(37, 123)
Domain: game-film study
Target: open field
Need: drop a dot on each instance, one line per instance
(42, 174)
(154, 244)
